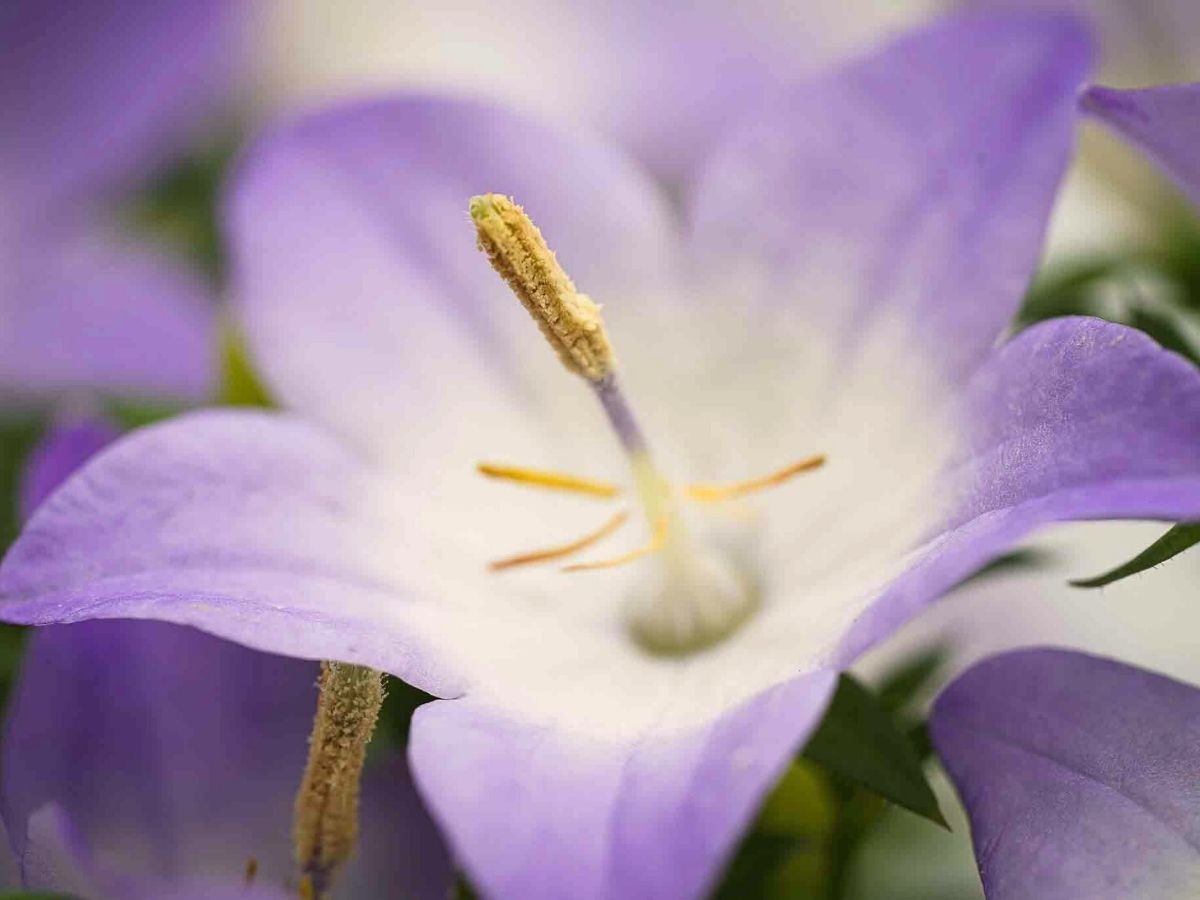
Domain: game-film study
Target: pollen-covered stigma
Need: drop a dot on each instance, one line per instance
(695, 596)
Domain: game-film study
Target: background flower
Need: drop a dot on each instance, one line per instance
(1079, 775)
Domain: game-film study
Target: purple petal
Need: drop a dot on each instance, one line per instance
(91, 316)
(67, 445)
(532, 811)
(253, 526)
(94, 94)
(1075, 418)
(1087, 417)
(175, 757)
(1079, 775)
(913, 185)
(1162, 121)
(365, 298)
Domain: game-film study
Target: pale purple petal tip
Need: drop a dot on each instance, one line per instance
(533, 812)
(1081, 776)
(1163, 121)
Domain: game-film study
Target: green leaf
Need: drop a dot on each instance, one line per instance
(1174, 542)
(858, 740)
(240, 384)
(36, 895)
(902, 683)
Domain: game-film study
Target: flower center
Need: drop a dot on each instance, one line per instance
(695, 595)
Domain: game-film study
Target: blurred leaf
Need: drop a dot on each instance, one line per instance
(399, 704)
(858, 740)
(801, 804)
(179, 206)
(758, 860)
(240, 384)
(36, 895)
(19, 434)
(131, 414)
(1023, 560)
(900, 685)
(462, 889)
(786, 853)
(1065, 290)
(1166, 328)
(1174, 542)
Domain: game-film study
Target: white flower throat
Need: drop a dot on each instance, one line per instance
(695, 594)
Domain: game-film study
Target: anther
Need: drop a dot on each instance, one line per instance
(713, 493)
(563, 551)
(556, 481)
(517, 251)
(657, 541)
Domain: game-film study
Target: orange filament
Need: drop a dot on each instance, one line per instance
(552, 553)
(657, 540)
(713, 493)
(555, 481)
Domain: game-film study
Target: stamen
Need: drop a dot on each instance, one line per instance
(714, 493)
(553, 553)
(555, 481)
(251, 871)
(569, 320)
(657, 541)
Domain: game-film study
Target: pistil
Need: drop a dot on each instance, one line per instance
(697, 597)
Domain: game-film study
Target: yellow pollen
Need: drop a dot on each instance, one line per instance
(552, 553)
(306, 890)
(657, 540)
(555, 481)
(569, 320)
(714, 493)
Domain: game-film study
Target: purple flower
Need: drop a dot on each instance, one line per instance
(1078, 773)
(92, 97)
(849, 259)
(146, 760)
(659, 79)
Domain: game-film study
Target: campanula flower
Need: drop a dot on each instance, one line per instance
(784, 426)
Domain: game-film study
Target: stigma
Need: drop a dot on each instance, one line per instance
(690, 594)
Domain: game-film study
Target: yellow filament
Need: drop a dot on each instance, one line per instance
(555, 481)
(713, 493)
(657, 540)
(553, 553)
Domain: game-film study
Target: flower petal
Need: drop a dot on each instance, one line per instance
(1162, 121)
(532, 811)
(915, 184)
(176, 757)
(365, 298)
(118, 85)
(1075, 418)
(1078, 773)
(250, 525)
(1086, 417)
(89, 315)
(67, 445)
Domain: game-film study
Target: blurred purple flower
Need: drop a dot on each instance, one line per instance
(850, 256)
(93, 98)
(660, 79)
(145, 760)
(1078, 773)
